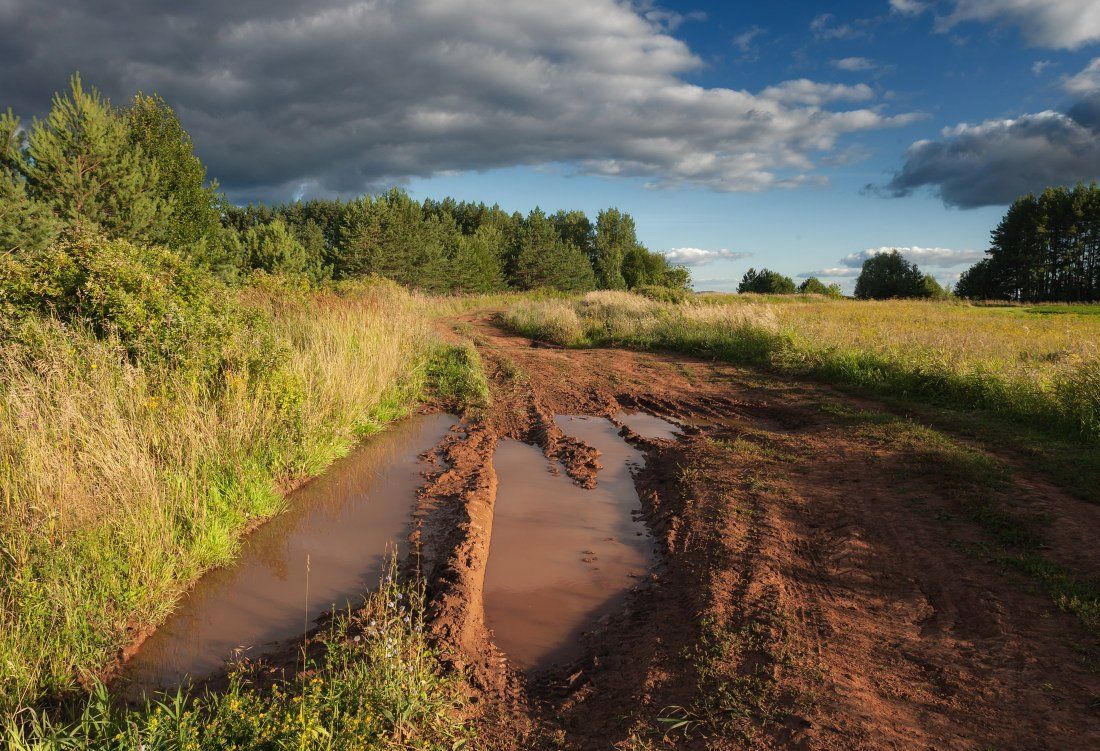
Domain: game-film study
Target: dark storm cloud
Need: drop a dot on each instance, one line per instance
(994, 162)
(327, 97)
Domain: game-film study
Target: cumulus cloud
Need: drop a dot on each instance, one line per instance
(1087, 81)
(994, 162)
(700, 256)
(908, 7)
(823, 27)
(842, 272)
(935, 260)
(943, 257)
(288, 97)
(854, 64)
(1063, 24)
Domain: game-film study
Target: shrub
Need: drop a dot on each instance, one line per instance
(766, 282)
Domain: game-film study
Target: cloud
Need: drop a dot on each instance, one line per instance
(833, 273)
(699, 256)
(943, 257)
(823, 28)
(744, 40)
(1040, 65)
(287, 97)
(1061, 24)
(854, 64)
(937, 258)
(1085, 82)
(908, 7)
(994, 162)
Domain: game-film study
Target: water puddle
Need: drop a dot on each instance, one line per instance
(344, 521)
(649, 426)
(561, 556)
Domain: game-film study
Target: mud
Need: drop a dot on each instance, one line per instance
(804, 590)
(649, 426)
(561, 556)
(323, 553)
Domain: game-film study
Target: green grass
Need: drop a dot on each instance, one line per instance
(120, 487)
(457, 376)
(1047, 372)
(375, 684)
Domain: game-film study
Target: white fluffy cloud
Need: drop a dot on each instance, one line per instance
(832, 273)
(1085, 82)
(338, 96)
(1063, 24)
(944, 257)
(908, 7)
(700, 256)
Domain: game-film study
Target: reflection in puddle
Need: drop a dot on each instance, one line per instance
(343, 521)
(649, 426)
(561, 556)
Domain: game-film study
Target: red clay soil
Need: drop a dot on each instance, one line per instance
(818, 584)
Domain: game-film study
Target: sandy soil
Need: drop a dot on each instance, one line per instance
(811, 590)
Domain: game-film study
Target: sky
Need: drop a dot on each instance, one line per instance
(803, 136)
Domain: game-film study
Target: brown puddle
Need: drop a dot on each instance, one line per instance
(561, 556)
(344, 521)
(649, 426)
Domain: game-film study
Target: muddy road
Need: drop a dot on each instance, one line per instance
(813, 573)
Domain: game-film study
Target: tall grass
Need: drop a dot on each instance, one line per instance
(118, 487)
(1036, 368)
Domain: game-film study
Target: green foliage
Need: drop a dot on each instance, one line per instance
(814, 286)
(662, 294)
(457, 376)
(1045, 249)
(766, 282)
(889, 275)
(615, 237)
(195, 221)
(82, 162)
(164, 312)
(476, 264)
(273, 248)
(545, 260)
(26, 225)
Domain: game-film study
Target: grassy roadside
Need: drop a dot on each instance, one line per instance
(121, 483)
(371, 682)
(1039, 369)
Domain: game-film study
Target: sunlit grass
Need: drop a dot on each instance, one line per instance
(117, 493)
(1039, 368)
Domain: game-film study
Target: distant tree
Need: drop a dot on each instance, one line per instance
(545, 260)
(82, 163)
(616, 237)
(475, 266)
(766, 281)
(814, 286)
(890, 275)
(273, 248)
(575, 227)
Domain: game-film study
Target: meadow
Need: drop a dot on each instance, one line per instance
(1021, 362)
(121, 483)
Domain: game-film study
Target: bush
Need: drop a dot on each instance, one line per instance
(164, 312)
(766, 282)
(663, 294)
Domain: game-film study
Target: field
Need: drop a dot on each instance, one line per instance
(858, 489)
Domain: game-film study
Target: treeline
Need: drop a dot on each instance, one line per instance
(131, 174)
(449, 246)
(1045, 249)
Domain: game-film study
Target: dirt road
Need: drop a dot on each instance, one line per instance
(821, 579)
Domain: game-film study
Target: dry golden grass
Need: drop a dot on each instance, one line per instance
(116, 494)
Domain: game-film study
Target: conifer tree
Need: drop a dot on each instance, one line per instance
(545, 260)
(475, 266)
(81, 162)
(615, 239)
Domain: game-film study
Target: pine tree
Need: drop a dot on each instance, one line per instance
(80, 160)
(475, 266)
(544, 260)
(615, 239)
(26, 225)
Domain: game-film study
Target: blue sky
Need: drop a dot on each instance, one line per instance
(973, 72)
(801, 136)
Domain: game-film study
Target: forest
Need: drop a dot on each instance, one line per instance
(1045, 249)
(131, 173)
